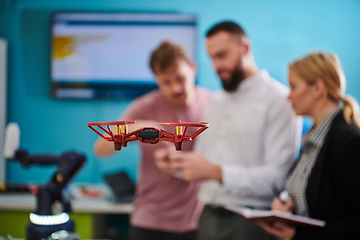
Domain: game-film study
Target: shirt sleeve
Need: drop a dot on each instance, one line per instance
(281, 143)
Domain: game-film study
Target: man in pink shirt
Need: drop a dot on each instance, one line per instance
(165, 206)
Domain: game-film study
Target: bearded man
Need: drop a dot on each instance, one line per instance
(245, 155)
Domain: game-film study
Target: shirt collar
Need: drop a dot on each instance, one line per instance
(250, 81)
(316, 135)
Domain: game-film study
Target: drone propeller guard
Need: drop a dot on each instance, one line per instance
(151, 135)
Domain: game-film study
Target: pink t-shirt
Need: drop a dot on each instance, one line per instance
(164, 202)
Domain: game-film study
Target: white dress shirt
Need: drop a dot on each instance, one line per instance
(254, 136)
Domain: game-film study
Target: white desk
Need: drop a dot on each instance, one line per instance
(89, 213)
(27, 202)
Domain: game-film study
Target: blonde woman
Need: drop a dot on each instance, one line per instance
(325, 182)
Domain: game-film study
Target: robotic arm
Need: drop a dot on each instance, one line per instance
(68, 165)
(43, 221)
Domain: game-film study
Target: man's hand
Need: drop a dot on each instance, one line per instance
(192, 166)
(162, 161)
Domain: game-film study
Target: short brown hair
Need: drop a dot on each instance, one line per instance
(166, 55)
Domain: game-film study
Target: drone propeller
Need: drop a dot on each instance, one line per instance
(185, 124)
(180, 136)
(121, 128)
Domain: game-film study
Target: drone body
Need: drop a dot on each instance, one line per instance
(151, 135)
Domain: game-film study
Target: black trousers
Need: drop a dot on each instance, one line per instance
(148, 234)
(217, 223)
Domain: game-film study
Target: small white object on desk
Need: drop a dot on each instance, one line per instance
(12, 140)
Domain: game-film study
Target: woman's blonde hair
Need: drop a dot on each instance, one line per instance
(327, 67)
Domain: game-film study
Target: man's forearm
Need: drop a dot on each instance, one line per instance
(103, 148)
(215, 173)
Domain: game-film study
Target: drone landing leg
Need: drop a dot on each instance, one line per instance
(117, 146)
(178, 146)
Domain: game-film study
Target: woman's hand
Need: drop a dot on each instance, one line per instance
(281, 206)
(278, 229)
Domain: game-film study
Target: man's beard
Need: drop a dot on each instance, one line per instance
(236, 77)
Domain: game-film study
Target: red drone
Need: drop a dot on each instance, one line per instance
(152, 135)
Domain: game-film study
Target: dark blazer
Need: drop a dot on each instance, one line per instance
(333, 189)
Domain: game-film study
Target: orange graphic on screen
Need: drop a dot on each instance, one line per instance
(63, 46)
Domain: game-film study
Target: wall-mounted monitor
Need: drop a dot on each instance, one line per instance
(106, 55)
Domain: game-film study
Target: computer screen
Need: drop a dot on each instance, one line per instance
(106, 55)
